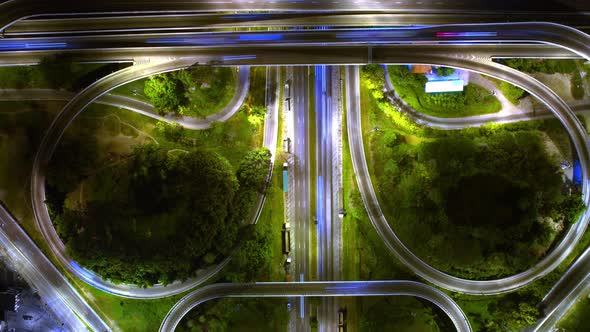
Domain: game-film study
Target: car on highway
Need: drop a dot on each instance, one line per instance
(286, 241)
(341, 320)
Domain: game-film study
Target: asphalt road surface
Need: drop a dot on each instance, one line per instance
(142, 107)
(574, 284)
(530, 32)
(550, 34)
(14, 10)
(549, 262)
(477, 120)
(322, 289)
(200, 22)
(49, 143)
(300, 55)
(301, 173)
(59, 296)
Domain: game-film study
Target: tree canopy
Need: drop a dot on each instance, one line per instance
(476, 206)
(159, 216)
(166, 93)
(197, 91)
(478, 203)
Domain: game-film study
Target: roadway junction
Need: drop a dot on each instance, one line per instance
(168, 47)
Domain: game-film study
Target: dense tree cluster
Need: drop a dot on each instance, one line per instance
(136, 209)
(508, 312)
(197, 91)
(477, 207)
(427, 227)
(171, 131)
(254, 254)
(166, 93)
(479, 203)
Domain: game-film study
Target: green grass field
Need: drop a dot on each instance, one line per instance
(274, 211)
(133, 89)
(21, 129)
(128, 315)
(577, 86)
(474, 100)
(203, 98)
(21, 77)
(577, 317)
(209, 94)
(19, 135)
(511, 92)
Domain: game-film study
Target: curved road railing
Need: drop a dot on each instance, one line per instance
(535, 88)
(46, 149)
(142, 107)
(58, 294)
(571, 39)
(321, 289)
(475, 120)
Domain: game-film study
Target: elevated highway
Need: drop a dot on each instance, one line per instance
(321, 289)
(354, 49)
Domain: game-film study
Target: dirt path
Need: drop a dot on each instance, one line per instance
(507, 107)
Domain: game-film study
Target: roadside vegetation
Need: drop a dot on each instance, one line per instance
(21, 128)
(547, 66)
(244, 314)
(197, 91)
(468, 202)
(473, 100)
(111, 133)
(135, 209)
(55, 72)
(403, 314)
(577, 317)
(122, 187)
(511, 92)
(517, 310)
(367, 256)
(569, 67)
(258, 258)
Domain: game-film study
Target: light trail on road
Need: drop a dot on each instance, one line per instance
(547, 96)
(526, 32)
(321, 289)
(48, 145)
(59, 296)
(301, 173)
